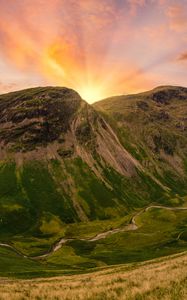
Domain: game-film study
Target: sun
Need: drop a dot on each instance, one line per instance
(91, 93)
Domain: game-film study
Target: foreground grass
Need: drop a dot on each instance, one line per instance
(164, 278)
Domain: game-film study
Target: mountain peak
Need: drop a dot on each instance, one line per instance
(36, 116)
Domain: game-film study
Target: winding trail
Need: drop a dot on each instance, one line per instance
(129, 227)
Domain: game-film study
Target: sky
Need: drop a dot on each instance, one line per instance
(100, 48)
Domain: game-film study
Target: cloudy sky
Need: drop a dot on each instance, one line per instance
(98, 47)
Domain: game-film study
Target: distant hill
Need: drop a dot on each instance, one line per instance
(64, 161)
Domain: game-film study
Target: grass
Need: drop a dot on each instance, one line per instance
(161, 232)
(36, 212)
(161, 279)
(37, 245)
(92, 228)
(156, 236)
(11, 264)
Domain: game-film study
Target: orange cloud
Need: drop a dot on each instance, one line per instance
(62, 41)
(98, 47)
(183, 57)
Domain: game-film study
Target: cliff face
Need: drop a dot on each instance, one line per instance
(57, 120)
(36, 117)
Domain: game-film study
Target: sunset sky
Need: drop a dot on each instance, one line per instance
(97, 47)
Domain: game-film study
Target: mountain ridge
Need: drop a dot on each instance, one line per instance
(155, 89)
(69, 161)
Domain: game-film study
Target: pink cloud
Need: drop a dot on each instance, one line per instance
(177, 14)
(134, 5)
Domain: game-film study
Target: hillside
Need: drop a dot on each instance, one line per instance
(158, 279)
(64, 163)
(91, 182)
(54, 151)
(152, 126)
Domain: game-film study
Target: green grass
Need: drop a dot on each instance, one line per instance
(95, 197)
(12, 265)
(157, 236)
(42, 192)
(37, 245)
(14, 214)
(92, 228)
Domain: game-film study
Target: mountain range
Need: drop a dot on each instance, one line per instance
(65, 162)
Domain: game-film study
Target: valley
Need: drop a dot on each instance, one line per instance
(129, 227)
(68, 254)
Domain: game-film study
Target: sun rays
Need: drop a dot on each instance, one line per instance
(99, 48)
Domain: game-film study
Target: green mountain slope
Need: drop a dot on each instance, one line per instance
(71, 170)
(152, 126)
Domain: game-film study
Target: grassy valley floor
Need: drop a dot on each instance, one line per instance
(159, 231)
(164, 279)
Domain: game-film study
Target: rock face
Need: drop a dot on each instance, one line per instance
(167, 94)
(58, 118)
(68, 161)
(36, 117)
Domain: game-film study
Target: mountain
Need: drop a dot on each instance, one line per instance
(67, 161)
(152, 126)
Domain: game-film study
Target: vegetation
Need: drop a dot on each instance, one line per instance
(160, 232)
(163, 279)
(72, 171)
(156, 236)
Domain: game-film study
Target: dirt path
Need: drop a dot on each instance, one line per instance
(165, 207)
(129, 227)
(13, 248)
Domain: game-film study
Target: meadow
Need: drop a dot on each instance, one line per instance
(164, 279)
(160, 232)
